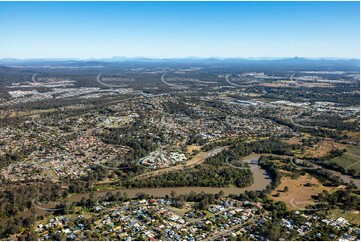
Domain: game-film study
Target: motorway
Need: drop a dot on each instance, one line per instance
(170, 84)
(233, 84)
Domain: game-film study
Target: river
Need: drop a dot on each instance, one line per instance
(345, 178)
(261, 180)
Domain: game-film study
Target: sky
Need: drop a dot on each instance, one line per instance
(179, 29)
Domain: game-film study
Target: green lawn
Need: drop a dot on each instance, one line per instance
(350, 159)
(178, 210)
(208, 214)
(102, 187)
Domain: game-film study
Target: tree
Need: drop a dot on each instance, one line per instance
(109, 195)
(60, 237)
(204, 205)
(92, 199)
(221, 194)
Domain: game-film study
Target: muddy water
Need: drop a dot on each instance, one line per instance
(345, 178)
(261, 180)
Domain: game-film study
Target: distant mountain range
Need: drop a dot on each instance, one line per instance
(253, 63)
(191, 58)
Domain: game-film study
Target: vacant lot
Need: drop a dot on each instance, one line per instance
(293, 141)
(352, 134)
(323, 148)
(350, 159)
(298, 195)
(179, 211)
(30, 112)
(191, 148)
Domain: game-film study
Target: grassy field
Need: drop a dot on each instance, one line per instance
(103, 187)
(298, 195)
(350, 159)
(253, 139)
(351, 216)
(208, 214)
(178, 211)
(28, 113)
(351, 134)
(39, 111)
(293, 141)
(323, 148)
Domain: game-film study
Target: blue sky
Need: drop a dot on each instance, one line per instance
(179, 29)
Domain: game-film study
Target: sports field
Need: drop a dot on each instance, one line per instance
(350, 159)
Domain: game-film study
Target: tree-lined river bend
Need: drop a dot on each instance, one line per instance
(261, 180)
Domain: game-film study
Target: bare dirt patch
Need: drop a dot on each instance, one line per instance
(298, 195)
(191, 148)
(293, 141)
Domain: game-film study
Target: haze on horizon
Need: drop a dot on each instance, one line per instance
(179, 29)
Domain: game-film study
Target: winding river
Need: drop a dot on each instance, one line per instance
(345, 178)
(261, 180)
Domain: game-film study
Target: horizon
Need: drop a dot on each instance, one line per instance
(167, 30)
(186, 57)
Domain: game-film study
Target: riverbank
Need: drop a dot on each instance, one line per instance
(261, 180)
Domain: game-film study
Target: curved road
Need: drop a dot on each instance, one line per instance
(301, 126)
(233, 84)
(170, 84)
(108, 85)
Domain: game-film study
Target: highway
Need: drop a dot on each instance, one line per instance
(170, 84)
(233, 84)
